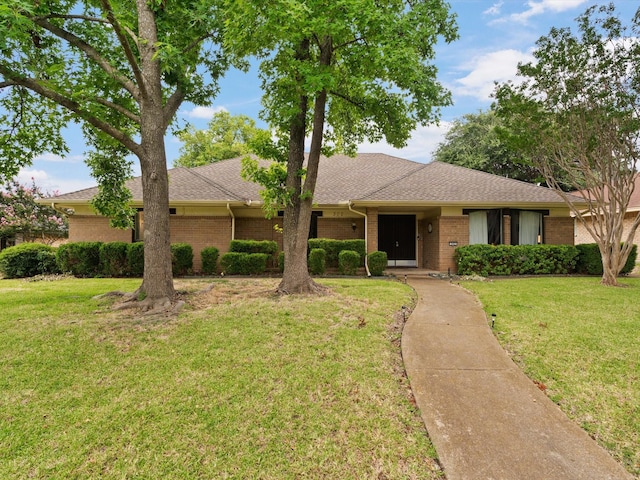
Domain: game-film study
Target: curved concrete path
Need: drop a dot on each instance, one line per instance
(486, 419)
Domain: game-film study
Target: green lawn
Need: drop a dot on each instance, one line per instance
(582, 342)
(241, 385)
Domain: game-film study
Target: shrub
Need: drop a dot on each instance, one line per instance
(317, 261)
(377, 262)
(253, 246)
(209, 260)
(81, 259)
(113, 259)
(487, 260)
(135, 259)
(334, 247)
(590, 260)
(28, 260)
(234, 263)
(348, 262)
(181, 259)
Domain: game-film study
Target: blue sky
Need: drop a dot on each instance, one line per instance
(494, 37)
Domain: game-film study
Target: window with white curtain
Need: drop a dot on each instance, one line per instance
(530, 224)
(478, 232)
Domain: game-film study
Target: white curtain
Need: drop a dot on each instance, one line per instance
(478, 227)
(530, 227)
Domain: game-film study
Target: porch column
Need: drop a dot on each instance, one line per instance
(372, 230)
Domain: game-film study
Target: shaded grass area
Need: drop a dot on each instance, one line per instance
(243, 384)
(581, 341)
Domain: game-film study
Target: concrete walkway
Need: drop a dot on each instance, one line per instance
(486, 419)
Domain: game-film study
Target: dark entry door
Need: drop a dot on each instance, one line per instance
(397, 237)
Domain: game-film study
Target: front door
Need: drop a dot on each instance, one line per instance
(397, 237)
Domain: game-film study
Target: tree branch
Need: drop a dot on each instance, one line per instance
(172, 105)
(77, 17)
(74, 107)
(118, 108)
(122, 38)
(91, 53)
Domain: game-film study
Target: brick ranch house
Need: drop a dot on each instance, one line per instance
(417, 213)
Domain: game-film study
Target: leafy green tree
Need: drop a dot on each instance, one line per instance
(21, 213)
(228, 136)
(473, 142)
(121, 68)
(578, 110)
(340, 72)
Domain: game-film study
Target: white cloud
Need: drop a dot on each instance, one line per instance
(544, 6)
(205, 113)
(486, 69)
(50, 184)
(494, 9)
(423, 141)
(52, 157)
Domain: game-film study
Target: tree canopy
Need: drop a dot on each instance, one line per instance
(578, 112)
(120, 68)
(227, 136)
(340, 72)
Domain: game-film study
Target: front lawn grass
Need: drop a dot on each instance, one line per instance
(581, 341)
(242, 384)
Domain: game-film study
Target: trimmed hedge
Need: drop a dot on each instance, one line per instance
(81, 259)
(281, 262)
(181, 259)
(234, 263)
(135, 259)
(28, 260)
(253, 246)
(590, 260)
(348, 262)
(377, 262)
(488, 260)
(317, 261)
(210, 260)
(334, 247)
(113, 259)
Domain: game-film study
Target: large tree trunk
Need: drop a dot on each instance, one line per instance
(297, 215)
(157, 284)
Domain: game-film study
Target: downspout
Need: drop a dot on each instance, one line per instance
(233, 222)
(366, 243)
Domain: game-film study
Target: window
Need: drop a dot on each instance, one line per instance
(526, 227)
(138, 226)
(485, 226)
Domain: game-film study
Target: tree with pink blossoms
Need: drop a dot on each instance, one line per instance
(21, 214)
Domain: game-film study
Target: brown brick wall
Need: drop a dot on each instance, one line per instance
(340, 228)
(92, 228)
(259, 229)
(201, 232)
(372, 229)
(558, 231)
(431, 245)
(451, 229)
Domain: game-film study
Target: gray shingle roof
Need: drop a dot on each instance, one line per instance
(369, 177)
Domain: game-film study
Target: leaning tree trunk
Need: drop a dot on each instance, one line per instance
(157, 284)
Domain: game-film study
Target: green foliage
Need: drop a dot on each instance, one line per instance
(81, 259)
(377, 262)
(135, 259)
(253, 246)
(28, 260)
(234, 263)
(590, 260)
(181, 259)
(228, 136)
(488, 260)
(317, 261)
(209, 260)
(113, 259)
(348, 262)
(334, 247)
